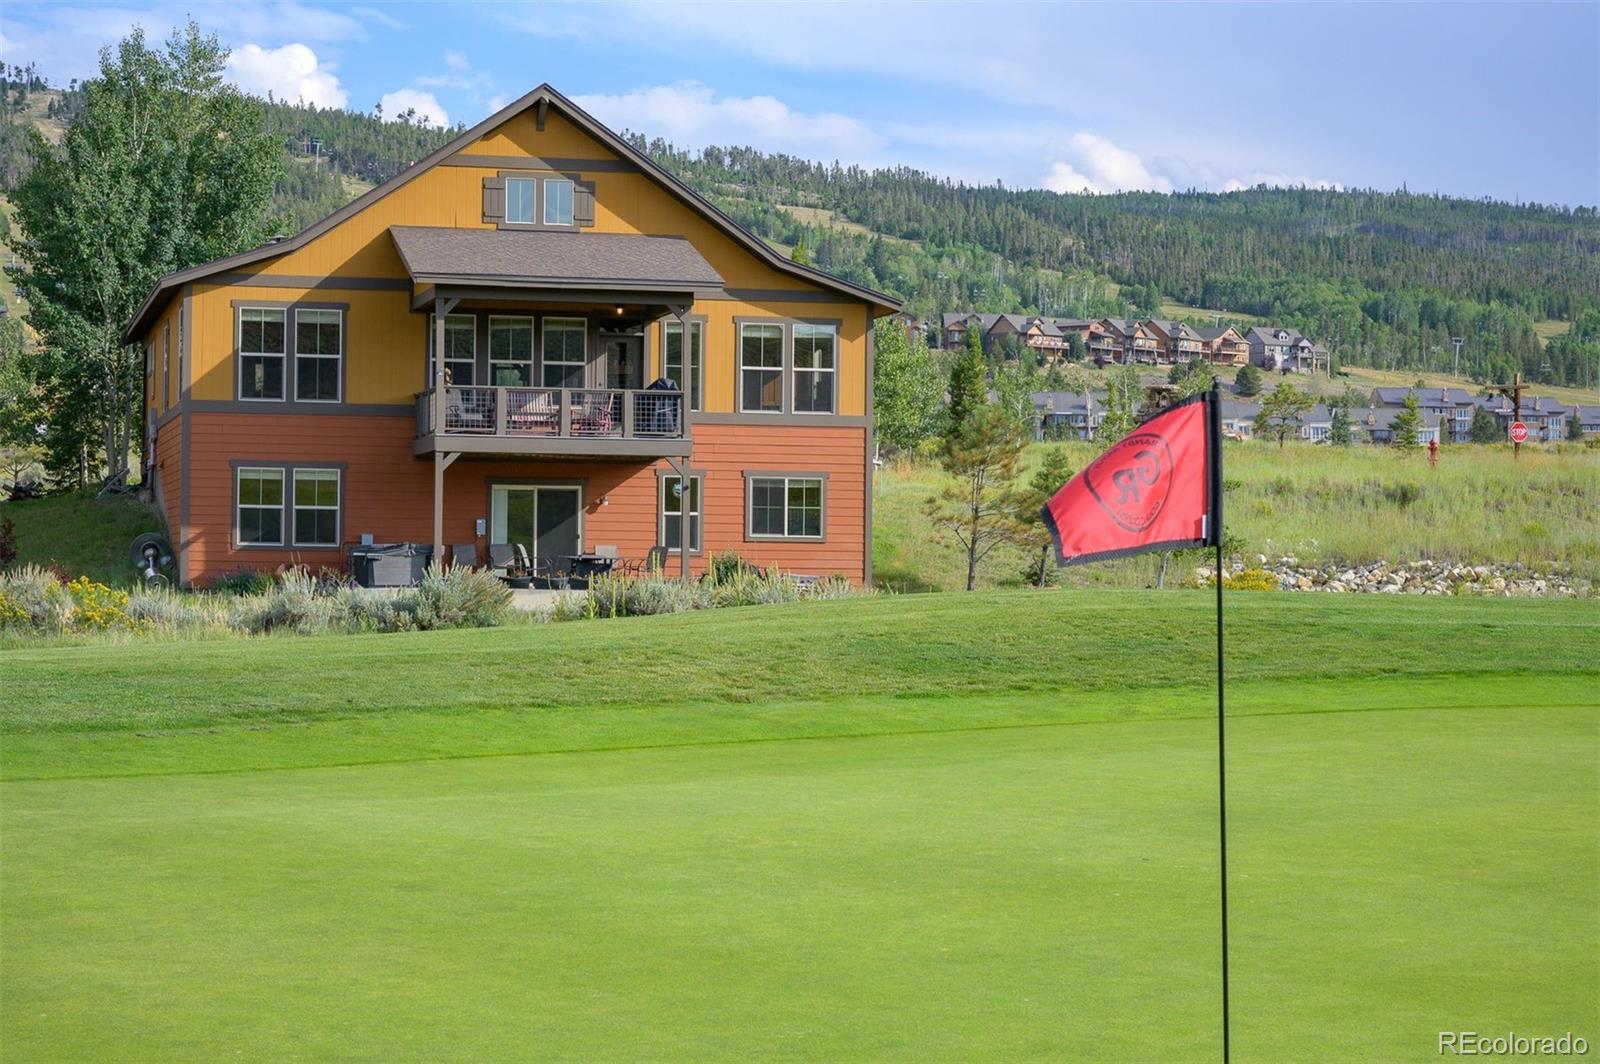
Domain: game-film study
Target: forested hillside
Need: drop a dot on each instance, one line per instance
(1386, 279)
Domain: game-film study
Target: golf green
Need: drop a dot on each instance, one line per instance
(1024, 875)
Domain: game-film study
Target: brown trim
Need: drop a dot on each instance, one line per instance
(662, 473)
(611, 141)
(871, 457)
(291, 353)
(537, 162)
(273, 406)
(538, 225)
(772, 474)
(284, 280)
(811, 421)
(288, 466)
(775, 295)
(690, 410)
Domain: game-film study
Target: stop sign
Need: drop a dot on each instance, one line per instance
(1519, 432)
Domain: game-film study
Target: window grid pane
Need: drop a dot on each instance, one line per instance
(564, 342)
(511, 352)
(557, 202)
(316, 507)
(672, 512)
(519, 199)
(260, 508)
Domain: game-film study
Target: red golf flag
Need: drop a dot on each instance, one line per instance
(1153, 490)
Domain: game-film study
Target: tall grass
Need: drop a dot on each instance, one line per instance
(1316, 503)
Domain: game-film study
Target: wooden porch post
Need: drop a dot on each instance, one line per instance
(680, 466)
(441, 461)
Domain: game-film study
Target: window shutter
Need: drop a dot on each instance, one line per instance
(494, 199)
(583, 203)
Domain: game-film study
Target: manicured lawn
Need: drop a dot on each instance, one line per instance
(84, 535)
(935, 828)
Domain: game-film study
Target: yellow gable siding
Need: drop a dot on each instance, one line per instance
(559, 139)
(386, 343)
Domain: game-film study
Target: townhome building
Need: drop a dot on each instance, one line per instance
(1176, 341)
(1277, 348)
(535, 335)
(1063, 414)
(1224, 346)
(1449, 408)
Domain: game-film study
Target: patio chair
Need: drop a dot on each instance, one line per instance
(464, 555)
(502, 557)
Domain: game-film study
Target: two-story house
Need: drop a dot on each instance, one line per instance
(1275, 348)
(1224, 346)
(534, 335)
(1175, 341)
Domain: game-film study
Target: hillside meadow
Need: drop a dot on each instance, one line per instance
(1316, 503)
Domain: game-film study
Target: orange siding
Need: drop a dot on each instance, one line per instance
(389, 494)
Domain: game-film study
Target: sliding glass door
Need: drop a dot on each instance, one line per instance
(546, 519)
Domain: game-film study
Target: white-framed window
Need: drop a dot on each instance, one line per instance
(258, 506)
(510, 352)
(557, 201)
(522, 193)
(316, 507)
(672, 358)
(815, 354)
(672, 513)
(760, 367)
(564, 345)
(261, 352)
(1317, 432)
(318, 351)
(460, 348)
(784, 507)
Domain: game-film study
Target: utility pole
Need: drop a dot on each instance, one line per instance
(1515, 394)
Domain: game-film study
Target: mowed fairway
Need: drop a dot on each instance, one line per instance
(949, 827)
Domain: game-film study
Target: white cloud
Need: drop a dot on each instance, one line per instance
(291, 73)
(692, 114)
(428, 108)
(1238, 184)
(456, 61)
(1091, 162)
(497, 101)
(382, 18)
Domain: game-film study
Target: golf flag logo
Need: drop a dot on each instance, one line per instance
(1150, 491)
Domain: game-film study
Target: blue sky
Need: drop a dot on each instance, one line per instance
(1476, 99)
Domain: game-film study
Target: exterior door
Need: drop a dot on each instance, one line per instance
(624, 361)
(547, 519)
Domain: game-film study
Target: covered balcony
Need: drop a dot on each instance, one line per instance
(554, 422)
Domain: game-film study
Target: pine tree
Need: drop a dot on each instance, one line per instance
(1281, 412)
(1485, 429)
(1247, 381)
(1339, 430)
(968, 389)
(978, 510)
(1407, 424)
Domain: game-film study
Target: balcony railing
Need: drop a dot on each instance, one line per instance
(584, 417)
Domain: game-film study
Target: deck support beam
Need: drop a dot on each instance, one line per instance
(441, 461)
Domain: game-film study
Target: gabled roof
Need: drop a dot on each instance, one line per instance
(1213, 333)
(577, 116)
(1269, 335)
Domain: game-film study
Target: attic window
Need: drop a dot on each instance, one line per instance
(557, 202)
(520, 195)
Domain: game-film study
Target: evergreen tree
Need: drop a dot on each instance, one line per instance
(1247, 382)
(1055, 469)
(1575, 427)
(1340, 433)
(1485, 429)
(1281, 412)
(800, 253)
(1407, 424)
(978, 509)
(968, 391)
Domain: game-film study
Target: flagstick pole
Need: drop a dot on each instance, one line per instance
(1214, 416)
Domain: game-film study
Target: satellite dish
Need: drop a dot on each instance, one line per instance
(150, 555)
